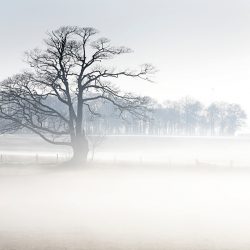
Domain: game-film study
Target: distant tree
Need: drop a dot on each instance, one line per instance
(95, 141)
(191, 114)
(212, 117)
(235, 118)
(226, 118)
(71, 68)
(168, 117)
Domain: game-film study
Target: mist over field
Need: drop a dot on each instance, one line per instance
(152, 193)
(124, 125)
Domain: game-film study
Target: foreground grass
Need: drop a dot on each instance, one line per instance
(124, 206)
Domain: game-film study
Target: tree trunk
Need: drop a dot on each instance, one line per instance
(80, 149)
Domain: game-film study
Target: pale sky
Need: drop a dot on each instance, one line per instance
(201, 48)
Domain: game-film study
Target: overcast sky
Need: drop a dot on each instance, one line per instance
(201, 48)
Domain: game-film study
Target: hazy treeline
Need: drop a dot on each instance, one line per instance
(184, 117)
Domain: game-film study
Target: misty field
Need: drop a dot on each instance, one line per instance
(137, 193)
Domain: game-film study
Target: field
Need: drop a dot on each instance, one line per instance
(137, 193)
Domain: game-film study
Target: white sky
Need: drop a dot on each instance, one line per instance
(200, 47)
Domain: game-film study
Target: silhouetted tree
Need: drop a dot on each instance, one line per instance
(69, 67)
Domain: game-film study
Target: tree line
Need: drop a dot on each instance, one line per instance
(184, 117)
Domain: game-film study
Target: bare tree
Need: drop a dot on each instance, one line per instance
(70, 69)
(95, 141)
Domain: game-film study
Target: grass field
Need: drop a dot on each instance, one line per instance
(126, 203)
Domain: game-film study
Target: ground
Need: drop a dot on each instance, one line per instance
(114, 204)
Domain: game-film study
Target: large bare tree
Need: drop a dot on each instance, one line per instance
(69, 72)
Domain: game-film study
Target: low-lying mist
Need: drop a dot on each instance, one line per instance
(137, 193)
